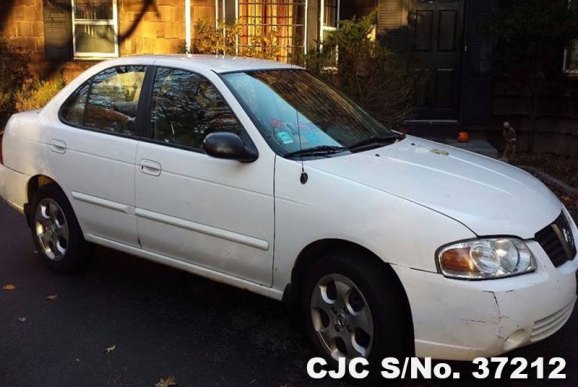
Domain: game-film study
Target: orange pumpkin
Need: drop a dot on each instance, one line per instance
(463, 137)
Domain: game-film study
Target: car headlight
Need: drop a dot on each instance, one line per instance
(486, 258)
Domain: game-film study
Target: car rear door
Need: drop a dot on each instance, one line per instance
(92, 151)
(214, 213)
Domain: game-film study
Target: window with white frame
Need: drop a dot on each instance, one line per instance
(328, 17)
(329, 22)
(283, 20)
(95, 28)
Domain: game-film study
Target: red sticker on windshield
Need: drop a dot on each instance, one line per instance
(276, 123)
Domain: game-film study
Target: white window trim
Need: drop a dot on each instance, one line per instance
(110, 22)
(324, 28)
(305, 22)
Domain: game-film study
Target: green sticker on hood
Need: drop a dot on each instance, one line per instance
(440, 152)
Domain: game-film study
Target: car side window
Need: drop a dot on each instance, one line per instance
(186, 107)
(72, 111)
(108, 102)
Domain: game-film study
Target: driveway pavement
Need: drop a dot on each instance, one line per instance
(162, 323)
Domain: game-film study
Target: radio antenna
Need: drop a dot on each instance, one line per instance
(304, 177)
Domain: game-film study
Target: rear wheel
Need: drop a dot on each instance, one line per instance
(55, 230)
(354, 308)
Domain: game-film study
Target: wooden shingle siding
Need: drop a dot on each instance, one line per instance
(147, 27)
(391, 26)
(58, 30)
(21, 21)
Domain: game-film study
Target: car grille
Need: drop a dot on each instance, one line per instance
(549, 325)
(557, 241)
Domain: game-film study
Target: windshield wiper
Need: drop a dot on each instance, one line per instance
(374, 142)
(320, 150)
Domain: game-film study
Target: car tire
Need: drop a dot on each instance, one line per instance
(56, 232)
(345, 295)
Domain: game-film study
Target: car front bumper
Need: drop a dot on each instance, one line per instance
(461, 320)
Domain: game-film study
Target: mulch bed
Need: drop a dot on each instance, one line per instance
(563, 168)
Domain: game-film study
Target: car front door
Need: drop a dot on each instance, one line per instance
(92, 149)
(213, 213)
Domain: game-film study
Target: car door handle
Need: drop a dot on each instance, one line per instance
(58, 146)
(150, 167)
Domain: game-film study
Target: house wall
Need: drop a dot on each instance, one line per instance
(357, 8)
(158, 28)
(155, 26)
(557, 124)
(22, 22)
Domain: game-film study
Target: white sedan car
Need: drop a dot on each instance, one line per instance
(258, 175)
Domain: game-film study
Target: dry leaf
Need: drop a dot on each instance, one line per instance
(22, 319)
(168, 382)
(110, 349)
(52, 297)
(9, 287)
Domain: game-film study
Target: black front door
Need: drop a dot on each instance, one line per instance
(436, 40)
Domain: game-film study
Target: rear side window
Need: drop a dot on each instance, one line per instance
(72, 111)
(108, 102)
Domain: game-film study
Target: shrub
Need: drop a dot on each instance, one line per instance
(13, 73)
(36, 94)
(529, 38)
(381, 81)
(223, 41)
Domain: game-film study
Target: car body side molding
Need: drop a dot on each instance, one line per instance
(103, 203)
(204, 229)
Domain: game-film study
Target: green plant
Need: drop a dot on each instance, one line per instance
(529, 39)
(381, 81)
(13, 73)
(224, 40)
(183, 48)
(263, 44)
(212, 40)
(36, 94)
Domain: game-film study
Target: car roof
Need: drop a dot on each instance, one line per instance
(216, 63)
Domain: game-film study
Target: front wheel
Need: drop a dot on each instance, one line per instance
(55, 230)
(352, 308)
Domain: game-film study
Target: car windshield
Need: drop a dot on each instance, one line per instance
(300, 115)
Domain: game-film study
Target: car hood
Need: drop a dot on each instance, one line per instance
(487, 196)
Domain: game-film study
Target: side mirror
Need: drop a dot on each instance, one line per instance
(229, 146)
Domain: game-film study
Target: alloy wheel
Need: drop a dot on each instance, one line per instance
(51, 229)
(341, 317)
